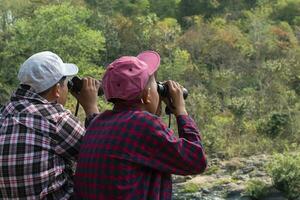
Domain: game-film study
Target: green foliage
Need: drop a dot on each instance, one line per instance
(164, 8)
(130, 35)
(174, 67)
(212, 8)
(287, 10)
(239, 59)
(196, 7)
(191, 188)
(256, 189)
(285, 172)
(211, 170)
(61, 29)
(278, 124)
(4, 93)
(126, 7)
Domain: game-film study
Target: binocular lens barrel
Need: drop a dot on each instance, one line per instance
(163, 90)
(75, 85)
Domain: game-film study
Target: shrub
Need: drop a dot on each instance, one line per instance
(256, 189)
(285, 172)
(277, 124)
(191, 188)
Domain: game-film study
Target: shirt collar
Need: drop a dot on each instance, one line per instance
(128, 105)
(25, 92)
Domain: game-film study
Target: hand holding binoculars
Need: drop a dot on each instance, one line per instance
(75, 85)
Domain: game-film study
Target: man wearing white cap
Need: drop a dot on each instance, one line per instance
(39, 139)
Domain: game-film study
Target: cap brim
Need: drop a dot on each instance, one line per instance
(151, 58)
(70, 69)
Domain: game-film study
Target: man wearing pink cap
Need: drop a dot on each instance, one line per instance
(128, 152)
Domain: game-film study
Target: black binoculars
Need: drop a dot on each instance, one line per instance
(163, 90)
(75, 85)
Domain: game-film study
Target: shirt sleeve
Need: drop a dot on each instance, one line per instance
(166, 152)
(89, 119)
(69, 136)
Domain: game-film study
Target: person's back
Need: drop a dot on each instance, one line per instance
(129, 153)
(33, 159)
(39, 139)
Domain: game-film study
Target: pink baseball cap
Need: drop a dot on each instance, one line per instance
(126, 77)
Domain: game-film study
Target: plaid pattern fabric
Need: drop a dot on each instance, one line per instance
(131, 154)
(39, 143)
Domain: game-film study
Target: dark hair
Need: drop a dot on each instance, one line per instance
(61, 82)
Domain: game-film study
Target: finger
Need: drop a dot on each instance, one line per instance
(98, 84)
(179, 85)
(94, 83)
(89, 81)
(85, 82)
(171, 85)
(176, 85)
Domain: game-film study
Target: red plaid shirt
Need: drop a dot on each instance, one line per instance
(131, 154)
(39, 144)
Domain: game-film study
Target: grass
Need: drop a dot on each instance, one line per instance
(191, 188)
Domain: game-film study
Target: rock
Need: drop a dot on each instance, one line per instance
(180, 179)
(274, 194)
(233, 187)
(205, 191)
(201, 180)
(233, 195)
(225, 178)
(214, 161)
(245, 198)
(239, 176)
(257, 173)
(232, 164)
(248, 169)
(220, 155)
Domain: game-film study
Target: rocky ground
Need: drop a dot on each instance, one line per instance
(225, 180)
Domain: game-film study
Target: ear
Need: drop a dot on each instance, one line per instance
(56, 90)
(146, 97)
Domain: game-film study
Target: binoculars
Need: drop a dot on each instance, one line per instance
(75, 85)
(163, 90)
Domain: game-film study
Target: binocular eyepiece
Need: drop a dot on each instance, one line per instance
(163, 90)
(75, 85)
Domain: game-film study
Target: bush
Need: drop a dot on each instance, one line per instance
(191, 188)
(277, 124)
(285, 172)
(256, 189)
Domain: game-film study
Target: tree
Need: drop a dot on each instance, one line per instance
(164, 8)
(59, 28)
(62, 29)
(287, 10)
(210, 8)
(124, 7)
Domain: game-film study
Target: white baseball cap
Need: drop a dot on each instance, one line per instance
(43, 70)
